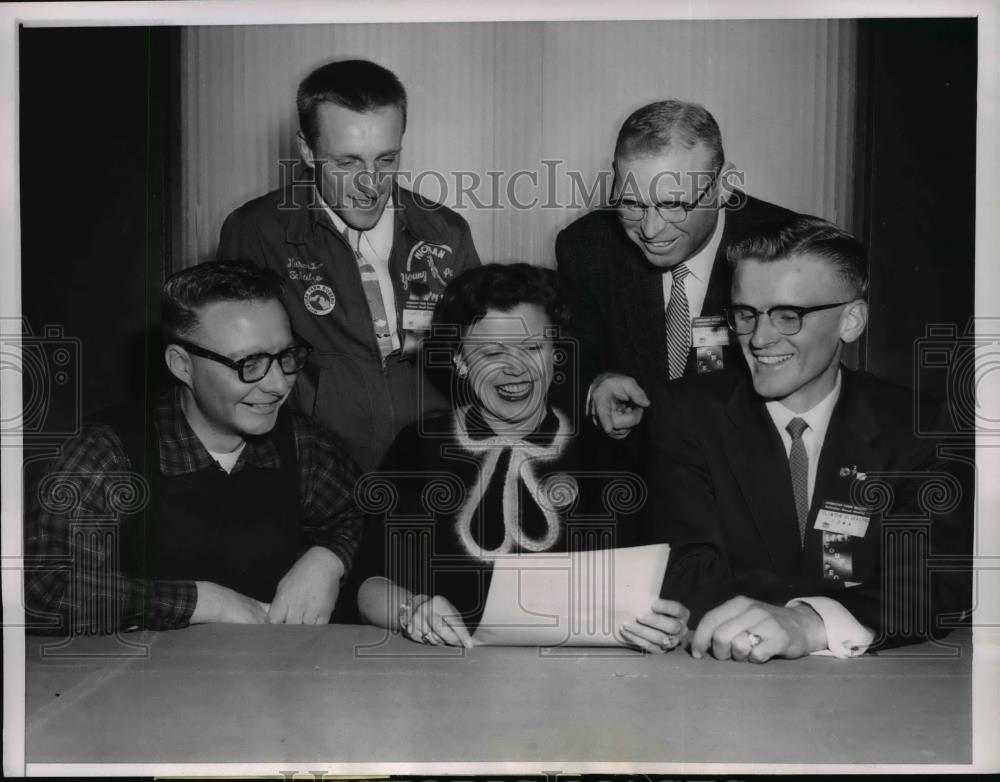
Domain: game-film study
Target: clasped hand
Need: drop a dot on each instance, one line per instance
(662, 629)
(434, 620)
(308, 591)
(305, 595)
(748, 630)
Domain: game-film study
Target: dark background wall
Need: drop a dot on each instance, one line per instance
(916, 182)
(97, 133)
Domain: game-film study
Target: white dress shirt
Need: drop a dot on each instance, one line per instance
(695, 284)
(375, 246)
(818, 419)
(700, 268)
(845, 635)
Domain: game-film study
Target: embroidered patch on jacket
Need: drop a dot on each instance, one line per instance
(319, 299)
(436, 257)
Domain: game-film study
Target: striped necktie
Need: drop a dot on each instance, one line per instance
(678, 323)
(373, 292)
(798, 464)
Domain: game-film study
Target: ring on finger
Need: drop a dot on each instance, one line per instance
(754, 640)
(425, 637)
(668, 643)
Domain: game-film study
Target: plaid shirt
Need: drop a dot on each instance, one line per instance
(70, 579)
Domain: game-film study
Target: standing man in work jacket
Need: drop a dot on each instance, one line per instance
(365, 260)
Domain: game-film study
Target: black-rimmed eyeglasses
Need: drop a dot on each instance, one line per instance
(786, 318)
(254, 368)
(674, 210)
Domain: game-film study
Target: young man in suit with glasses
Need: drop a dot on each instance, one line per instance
(804, 512)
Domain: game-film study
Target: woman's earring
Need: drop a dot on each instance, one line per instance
(463, 372)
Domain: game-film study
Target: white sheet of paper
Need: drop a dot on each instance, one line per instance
(570, 599)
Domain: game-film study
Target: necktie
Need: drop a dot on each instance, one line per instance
(373, 292)
(678, 323)
(798, 463)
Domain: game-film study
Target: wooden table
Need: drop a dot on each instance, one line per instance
(349, 694)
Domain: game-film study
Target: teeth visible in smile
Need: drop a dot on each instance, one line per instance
(662, 244)
(514, 389)
(773, 360)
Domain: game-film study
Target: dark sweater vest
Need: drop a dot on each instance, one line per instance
(241, 530)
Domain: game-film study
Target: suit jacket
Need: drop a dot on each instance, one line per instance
(617, 296)
(722, 497)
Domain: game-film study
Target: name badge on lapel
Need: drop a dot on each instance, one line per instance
(842, 525)
(415, 319)
(843, 518)
(709, 335)
(418, 313)
(418, 310)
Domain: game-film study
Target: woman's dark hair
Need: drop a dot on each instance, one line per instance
(467, 299)
(502, 287)
(186, 291)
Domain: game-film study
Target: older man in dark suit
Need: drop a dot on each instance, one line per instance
(648, 277)
(804, 513)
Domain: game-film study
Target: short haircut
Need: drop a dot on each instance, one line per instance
(358, 85)
(186, 291)
(656, 127)
(804, 235)
(502, 287)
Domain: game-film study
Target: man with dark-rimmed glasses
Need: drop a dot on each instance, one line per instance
(804, 514)
(647, 275)
(250, 515)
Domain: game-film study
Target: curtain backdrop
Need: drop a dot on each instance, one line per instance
(512, 122)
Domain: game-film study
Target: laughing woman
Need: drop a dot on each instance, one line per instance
(493, 477)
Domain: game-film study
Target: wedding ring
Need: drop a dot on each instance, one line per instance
(754, 639)
(425, 637)
(668, 643)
